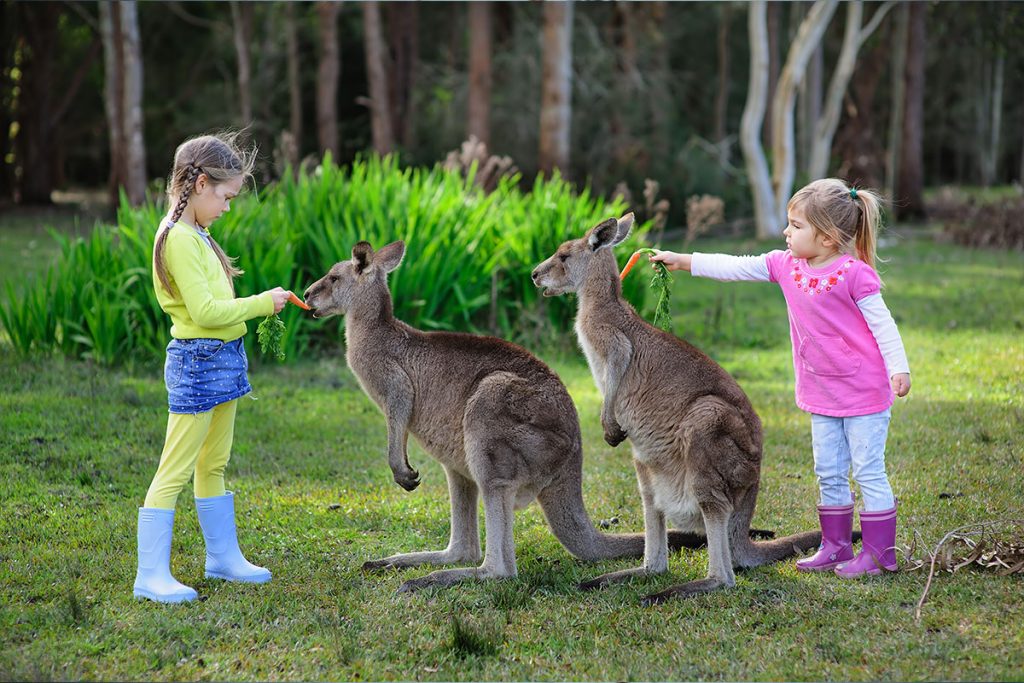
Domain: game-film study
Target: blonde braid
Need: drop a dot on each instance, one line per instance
(191, 175)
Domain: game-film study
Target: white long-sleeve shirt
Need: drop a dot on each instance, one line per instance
(726, 267)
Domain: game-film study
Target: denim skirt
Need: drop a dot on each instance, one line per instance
(203, 373)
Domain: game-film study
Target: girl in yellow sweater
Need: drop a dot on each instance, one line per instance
(205, 370)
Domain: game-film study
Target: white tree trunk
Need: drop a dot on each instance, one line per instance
(812, 28)
(825, 128)
(556, 88)
(990, 158)
(753, 118)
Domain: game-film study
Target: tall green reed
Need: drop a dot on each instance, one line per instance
(467, 267)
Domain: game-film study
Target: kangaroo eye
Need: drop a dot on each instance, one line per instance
(563, 257)
(334, 278)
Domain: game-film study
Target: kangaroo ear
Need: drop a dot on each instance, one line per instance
(390, 257)
(363, 255)
(625, 227)
(603, 235)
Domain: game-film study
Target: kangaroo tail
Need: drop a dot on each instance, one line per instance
(562, 503)
(747, 553)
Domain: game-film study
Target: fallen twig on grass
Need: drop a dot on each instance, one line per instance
(976, 548)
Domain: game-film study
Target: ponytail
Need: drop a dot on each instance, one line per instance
(869, 223)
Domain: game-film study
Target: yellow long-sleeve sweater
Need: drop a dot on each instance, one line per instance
(201, 303)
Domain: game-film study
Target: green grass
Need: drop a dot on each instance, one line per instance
(315, 499)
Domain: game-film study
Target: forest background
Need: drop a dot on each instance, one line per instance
(610, 94)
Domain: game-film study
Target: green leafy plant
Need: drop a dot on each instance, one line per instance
(269, 334)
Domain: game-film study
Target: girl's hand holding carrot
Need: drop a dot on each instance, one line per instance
(280, 296)
(672, 260)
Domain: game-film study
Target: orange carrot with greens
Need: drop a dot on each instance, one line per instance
(297, 301)
(662, 282)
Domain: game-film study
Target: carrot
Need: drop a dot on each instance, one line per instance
(297, 301)
(630, 263)
(633, 259)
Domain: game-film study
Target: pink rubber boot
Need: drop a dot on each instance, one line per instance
(836, 544)
(878, 533)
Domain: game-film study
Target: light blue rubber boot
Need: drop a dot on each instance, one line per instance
(223, 558)
(153, 578)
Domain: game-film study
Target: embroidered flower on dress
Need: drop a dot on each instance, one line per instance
(819, 284)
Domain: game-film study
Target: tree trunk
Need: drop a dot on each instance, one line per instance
(119, 29)
(35, 142)
(622, 35)
(556, 88)
(809, 110)
(990, 148)
(899, 62)
(911, 174)
(659, 100)
(774, 19)
(327, 76)
(403, 28)
(479, 98)
(294, 85)
(722, 98)
(113, 93)
(825, 128)
(753, 118)
(377, 77)
(241, 15)
(861, 151)
(812, 28)
(135, 144)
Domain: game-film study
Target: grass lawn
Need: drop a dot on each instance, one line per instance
(315, 499)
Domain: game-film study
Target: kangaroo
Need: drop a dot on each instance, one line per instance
(696, 438)
(499, 421)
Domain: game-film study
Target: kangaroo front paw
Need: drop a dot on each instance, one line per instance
(614, 435)
(408, 480)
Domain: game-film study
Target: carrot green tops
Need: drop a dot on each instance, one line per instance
(201, 303)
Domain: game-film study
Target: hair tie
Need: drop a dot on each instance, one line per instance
(853, 192)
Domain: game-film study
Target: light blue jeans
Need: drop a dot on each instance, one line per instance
(842, 443)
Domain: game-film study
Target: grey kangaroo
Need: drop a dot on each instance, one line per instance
(696, 438)
(499, 421)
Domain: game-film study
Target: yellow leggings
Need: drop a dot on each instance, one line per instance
(200, 442)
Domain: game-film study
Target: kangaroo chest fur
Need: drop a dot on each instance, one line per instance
(594, 359)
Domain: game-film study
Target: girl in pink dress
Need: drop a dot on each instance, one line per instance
(847, 356)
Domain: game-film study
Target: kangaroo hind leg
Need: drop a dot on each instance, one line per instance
(464, 543)
(720, 572)
(499, 556)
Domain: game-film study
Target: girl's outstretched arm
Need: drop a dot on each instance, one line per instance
(671, 259)
(717, 266)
